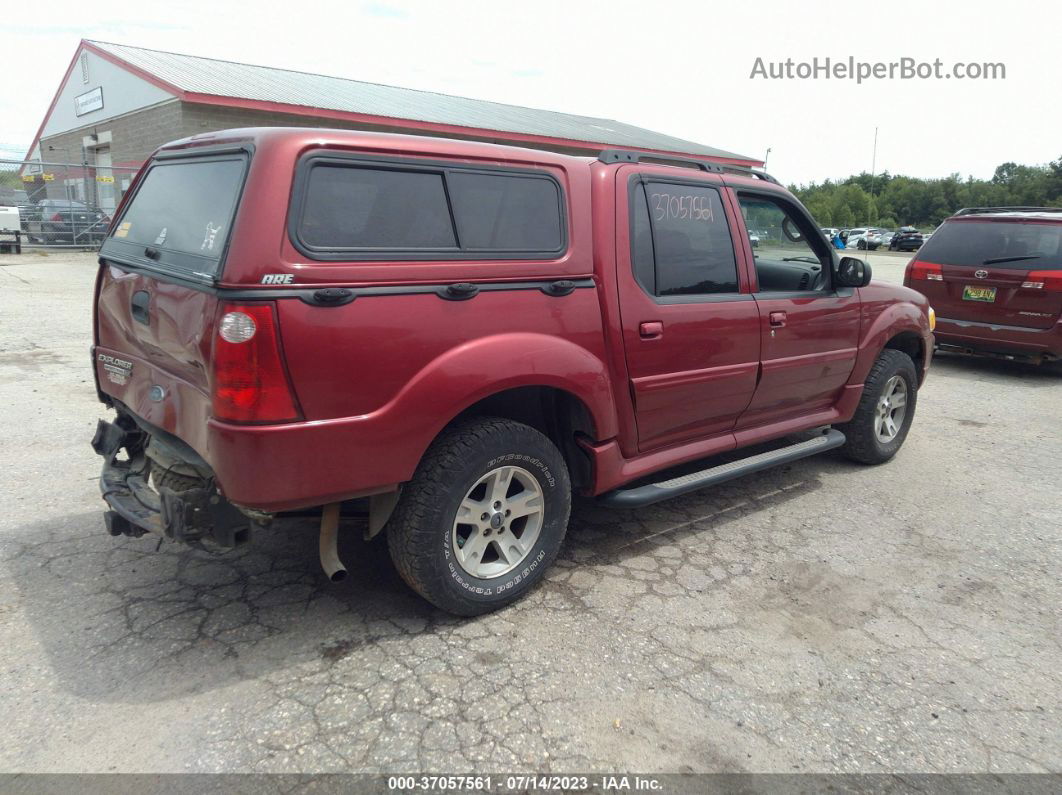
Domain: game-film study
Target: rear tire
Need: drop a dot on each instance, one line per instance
(881, 421)
(483, 517)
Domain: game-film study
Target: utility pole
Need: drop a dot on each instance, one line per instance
(874, 161)
(765, 158)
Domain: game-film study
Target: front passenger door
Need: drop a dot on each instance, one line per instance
(809, 330)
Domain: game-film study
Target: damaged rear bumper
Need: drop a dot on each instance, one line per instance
(199, 517)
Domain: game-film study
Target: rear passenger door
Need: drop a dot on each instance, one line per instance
(690, 326)
(809, 329)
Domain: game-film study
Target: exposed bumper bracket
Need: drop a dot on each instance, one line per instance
(199, 517)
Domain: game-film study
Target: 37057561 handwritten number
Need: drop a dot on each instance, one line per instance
(682, 208)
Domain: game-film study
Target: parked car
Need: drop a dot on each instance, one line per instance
(754, 239)
(12, 197)
(995, 275)
(291, 318)
(829, 232)
(885, 236)
(864, 239)
(906, 239)
(68, 221)
(16, 197)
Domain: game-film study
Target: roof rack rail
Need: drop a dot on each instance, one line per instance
(746, 171)
(630, 156)
(980, 210)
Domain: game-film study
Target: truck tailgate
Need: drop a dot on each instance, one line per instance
(153, 346)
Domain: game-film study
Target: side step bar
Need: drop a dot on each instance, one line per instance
(666, 489)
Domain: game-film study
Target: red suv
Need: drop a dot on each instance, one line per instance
(994, 275)
(462, 335)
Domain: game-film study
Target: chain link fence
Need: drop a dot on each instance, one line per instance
(60, 205)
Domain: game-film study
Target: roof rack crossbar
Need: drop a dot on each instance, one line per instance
(979, 210)
(631, 156)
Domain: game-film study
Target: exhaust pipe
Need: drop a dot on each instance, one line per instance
(330, 561)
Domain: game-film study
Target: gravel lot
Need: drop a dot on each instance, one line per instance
(821, 617)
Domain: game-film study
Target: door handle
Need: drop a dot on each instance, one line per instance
(777, 319)
(651, 330)
(139, 307)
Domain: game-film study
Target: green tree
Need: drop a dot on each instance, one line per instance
(863, 198)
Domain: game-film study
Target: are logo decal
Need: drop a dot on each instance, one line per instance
(278, 278)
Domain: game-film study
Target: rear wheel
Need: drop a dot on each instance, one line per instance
(885, 412)
(483, 517)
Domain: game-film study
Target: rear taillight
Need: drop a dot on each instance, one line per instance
(57, 217)
(250, 383)
(1043, 280)
(925, 271)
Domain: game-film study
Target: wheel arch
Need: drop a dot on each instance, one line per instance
(559, 414)
(548, 382)
(913, 345)
(902, 326)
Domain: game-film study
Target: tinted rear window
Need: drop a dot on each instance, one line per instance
(354, 210)
(183, 210)
(1027, 246)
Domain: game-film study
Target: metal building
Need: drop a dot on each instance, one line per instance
(117, 103)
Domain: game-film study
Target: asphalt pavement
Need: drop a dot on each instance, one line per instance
(820, 617)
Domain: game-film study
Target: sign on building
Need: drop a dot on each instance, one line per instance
(89, 101)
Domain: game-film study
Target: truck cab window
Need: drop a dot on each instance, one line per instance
(681, 242)
(788, 257)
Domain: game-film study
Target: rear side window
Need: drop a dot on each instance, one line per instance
(505, 213)
(376, 209)
(1001, 244)
(681, 242)
(180, 217)
(350, 209)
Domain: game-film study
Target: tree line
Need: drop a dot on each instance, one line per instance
(893, 201)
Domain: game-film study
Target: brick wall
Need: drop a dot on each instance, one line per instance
(133, 137)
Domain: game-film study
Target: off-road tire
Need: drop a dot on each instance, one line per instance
(419, 532)
(861, 441)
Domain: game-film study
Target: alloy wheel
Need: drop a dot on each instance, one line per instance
(891, 409)
(498, 522)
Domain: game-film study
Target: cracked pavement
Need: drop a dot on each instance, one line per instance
(820, 617)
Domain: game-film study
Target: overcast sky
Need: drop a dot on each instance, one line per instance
(681, 68)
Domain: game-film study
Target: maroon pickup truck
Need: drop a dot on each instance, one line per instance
(462, 334)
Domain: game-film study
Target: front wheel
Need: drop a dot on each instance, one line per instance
(881, 422)
(483, 517)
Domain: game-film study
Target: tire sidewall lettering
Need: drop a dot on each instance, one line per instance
(519, 576)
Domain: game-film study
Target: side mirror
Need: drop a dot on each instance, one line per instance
(852, 272)
(790, 230)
